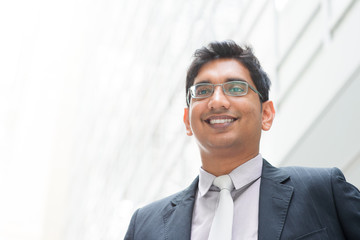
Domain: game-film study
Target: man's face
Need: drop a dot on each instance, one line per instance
(226, 122)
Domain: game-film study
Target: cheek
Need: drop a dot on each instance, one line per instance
(245, 105)
(195, 112)
(250, 111)
(255, 117)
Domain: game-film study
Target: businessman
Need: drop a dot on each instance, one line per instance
(238, 194)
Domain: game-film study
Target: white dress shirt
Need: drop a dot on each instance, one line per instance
(246, 179)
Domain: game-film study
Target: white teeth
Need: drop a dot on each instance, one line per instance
(215, 121)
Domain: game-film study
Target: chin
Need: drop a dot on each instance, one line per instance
(222, 144)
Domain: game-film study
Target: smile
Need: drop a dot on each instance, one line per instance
(216, 121)
(220, 119)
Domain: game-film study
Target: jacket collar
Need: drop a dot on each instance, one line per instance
(275, 197)
(177, 216)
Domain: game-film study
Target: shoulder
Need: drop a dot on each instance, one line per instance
(170, 201)
(320, 182)
(150, 218)
(308, 176)
(329, 194)
(296, 173)
(310, 173)
(159, 205)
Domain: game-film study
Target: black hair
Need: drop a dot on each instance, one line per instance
(229, 49)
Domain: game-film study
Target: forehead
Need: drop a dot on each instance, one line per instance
(220, 70)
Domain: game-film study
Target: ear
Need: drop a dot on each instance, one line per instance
(187, 122)
(268, 115)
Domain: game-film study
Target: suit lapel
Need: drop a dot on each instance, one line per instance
(274, 202)
(178, 215)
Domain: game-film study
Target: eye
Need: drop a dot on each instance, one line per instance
(203, 91)
(236, 89)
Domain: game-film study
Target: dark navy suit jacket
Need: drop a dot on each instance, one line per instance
(295, 203)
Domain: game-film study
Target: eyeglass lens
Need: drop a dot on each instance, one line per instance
(230, 88)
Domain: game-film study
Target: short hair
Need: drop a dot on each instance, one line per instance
(229, 49)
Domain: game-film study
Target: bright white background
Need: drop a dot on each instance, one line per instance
(92, 97)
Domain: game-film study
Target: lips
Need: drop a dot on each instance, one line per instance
(222, 119)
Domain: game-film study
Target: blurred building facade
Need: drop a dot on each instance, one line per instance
(118, 140)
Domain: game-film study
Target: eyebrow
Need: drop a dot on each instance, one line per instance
(227, 80)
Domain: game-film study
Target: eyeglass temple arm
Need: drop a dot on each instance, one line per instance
(188, 97)
(256, 91)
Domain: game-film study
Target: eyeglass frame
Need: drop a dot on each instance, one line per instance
(222, 86)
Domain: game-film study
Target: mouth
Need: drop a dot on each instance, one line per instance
(223, 119)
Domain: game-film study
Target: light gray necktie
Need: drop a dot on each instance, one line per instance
(221, 228)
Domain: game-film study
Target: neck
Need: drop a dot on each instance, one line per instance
(221, 163)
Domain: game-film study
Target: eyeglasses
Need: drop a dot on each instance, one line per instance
(233, 88)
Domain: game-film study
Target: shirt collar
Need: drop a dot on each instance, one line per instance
(205, 181)
(247, 172)
(241, 176)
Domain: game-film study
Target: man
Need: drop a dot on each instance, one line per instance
(227, 108)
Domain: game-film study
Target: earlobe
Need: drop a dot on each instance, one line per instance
(187, 122)
(268, 115)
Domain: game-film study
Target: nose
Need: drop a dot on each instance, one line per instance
(218, 99)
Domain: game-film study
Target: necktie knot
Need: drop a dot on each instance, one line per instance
(224, 182)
